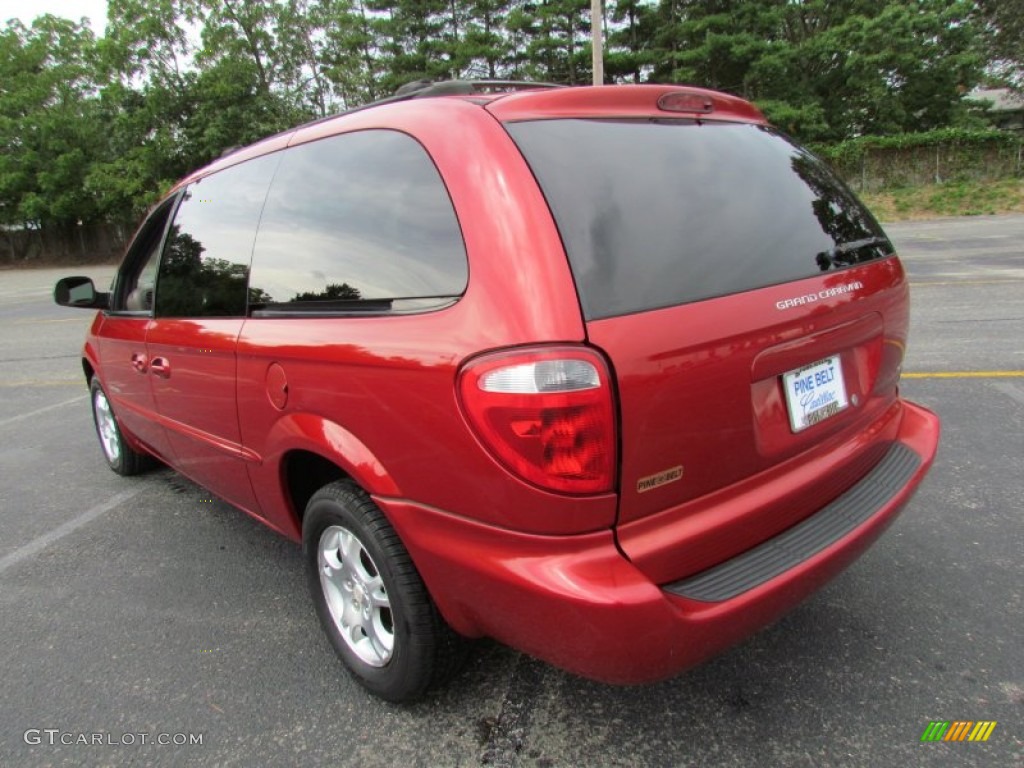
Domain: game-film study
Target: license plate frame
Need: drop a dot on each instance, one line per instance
(815, 393)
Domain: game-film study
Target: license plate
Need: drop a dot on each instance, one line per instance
(814, 392)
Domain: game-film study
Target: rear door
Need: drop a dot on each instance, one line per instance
(201, 300)
(751, 307)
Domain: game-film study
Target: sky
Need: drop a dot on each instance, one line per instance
(26, 10)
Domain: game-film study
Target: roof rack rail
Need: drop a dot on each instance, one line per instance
(424, 88)
(421, 89)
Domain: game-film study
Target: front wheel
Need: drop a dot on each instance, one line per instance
(370, 598)
(121, 457)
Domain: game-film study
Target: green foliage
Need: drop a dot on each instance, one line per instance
(48, 122)
(555, 35)
(828, 69)
(958, 198)
(486, 45)
(796, 120)
(1003, 24)
(853, 150)
(630, 48)
(944, 157)
(416, 39)
(96, 130)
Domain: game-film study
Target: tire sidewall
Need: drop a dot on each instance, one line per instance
(118, 466)
(403, 673)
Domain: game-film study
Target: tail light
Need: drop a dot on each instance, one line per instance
(545, 413)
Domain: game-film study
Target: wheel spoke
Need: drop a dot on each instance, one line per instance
(356, 596)
(380, 640)
(106, 427)
(330, 559)
(349, 548)
(378, 595)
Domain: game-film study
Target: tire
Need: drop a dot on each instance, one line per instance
(120, 456)
(370, 598)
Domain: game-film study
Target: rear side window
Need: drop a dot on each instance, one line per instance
(655, 213)
(355, 222)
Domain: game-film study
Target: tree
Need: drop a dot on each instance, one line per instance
(350, 55)
(50, 130)
(416, 40)
(629, 54)
(715, 43)
(827, 69)
(554, 37)
(148, 94)
(96, 130)
(488, 46)
(1003, 22)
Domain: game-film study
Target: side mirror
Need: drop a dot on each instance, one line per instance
(79, 292)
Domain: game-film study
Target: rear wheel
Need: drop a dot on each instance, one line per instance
(121, 457)
(370, 598)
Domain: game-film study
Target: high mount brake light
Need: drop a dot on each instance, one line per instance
(685, 101)
(546, 413)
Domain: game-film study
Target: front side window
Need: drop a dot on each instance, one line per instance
(205, 267)
(357, 222)
(135, 286)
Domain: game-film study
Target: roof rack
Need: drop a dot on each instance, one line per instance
(422, 89)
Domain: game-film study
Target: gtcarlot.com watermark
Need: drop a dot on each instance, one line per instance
(56, 737)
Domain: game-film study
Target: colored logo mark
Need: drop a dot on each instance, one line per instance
(958, 730)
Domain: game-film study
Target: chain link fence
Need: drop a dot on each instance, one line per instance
(873, 168)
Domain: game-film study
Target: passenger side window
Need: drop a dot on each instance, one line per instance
(357, 222)
(205, 267)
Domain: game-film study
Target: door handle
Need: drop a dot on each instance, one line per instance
(139, 362)
(160, 367)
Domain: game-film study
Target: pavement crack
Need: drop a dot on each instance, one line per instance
(508, 735)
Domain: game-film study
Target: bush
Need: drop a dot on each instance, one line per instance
(870, 163)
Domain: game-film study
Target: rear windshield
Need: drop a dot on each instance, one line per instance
(655, 213)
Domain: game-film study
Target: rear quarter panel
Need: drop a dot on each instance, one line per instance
(389, 382)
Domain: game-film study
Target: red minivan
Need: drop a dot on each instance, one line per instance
(608, 374)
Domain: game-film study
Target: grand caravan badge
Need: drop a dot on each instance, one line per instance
(827, 293)
(664, 477)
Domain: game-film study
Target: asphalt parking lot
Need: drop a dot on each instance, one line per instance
(144, 608)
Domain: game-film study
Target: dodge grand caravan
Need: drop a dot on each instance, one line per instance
(608, 374)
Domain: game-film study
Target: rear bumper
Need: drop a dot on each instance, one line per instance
(577, 603)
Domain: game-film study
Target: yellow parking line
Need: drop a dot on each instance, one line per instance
(964, 375)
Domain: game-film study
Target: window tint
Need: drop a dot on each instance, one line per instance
(655, 213)
(205, 265)
(357, 221)
(134, 290)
